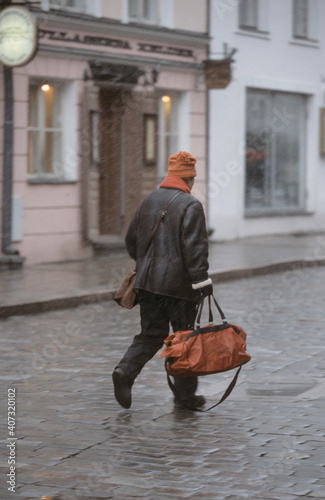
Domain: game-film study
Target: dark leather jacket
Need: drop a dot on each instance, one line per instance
(178, 254)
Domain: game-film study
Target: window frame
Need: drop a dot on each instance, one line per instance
(65, 167)
(311, 23)
(162, 134)
(244, 7)
(262, 18)
(182, 133)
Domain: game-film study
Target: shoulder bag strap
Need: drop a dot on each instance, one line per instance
(162, 215)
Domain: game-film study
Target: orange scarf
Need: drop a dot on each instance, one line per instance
(172, 181)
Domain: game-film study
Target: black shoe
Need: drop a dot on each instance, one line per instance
(191, 403)
(122, 387)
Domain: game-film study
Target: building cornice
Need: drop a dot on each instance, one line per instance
(88, 55)
(111, 27)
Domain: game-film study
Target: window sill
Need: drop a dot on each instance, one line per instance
(264, 35)
(276, 213)
(306, 43)
(50, 180)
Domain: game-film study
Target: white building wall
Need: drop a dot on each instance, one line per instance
(273, 61)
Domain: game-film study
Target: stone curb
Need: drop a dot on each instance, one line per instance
(75, 298)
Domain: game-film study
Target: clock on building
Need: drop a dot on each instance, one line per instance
(18, 36)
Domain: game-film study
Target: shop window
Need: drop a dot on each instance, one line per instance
(76, 5)
(275, 152)
(143, 11)
(173, 127)
(305, 18)
(51, 131)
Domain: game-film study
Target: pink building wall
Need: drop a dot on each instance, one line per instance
(52, 225)
(52, 212)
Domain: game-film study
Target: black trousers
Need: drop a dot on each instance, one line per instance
(157, 313)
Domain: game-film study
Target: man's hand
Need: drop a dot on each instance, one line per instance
(206, 290)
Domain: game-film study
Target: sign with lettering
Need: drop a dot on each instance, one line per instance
(64, 36)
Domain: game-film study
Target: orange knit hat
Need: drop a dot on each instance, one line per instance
(182, 164)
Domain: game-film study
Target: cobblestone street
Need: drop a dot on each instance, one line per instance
(265, 442)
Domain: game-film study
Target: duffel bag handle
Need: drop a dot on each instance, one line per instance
(200, 308)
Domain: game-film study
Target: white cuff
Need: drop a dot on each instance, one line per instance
(207, 282)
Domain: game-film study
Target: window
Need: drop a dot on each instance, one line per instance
(275, 141)
(254, 16)
(300, 19)
(44, 129)
(52, 131)
(248, 14)
(305, 19)
(76, 5)
(173, 127)
(143, 11)
(168, 130)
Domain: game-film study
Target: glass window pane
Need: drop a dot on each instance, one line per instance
(48, 97)
(167, 115)
(52, 107)
(44, 135)
(288, 149)
(274, 150)
(168, 129)
(248, 14)
(33, 151)
(33, 108)
(259, 139)
(57, 165)
(150, 10)
(133, 9)
(300, 18)
(70, 4)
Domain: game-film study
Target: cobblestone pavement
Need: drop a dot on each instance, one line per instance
(74, 441)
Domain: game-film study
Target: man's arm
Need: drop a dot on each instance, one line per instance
(195, 249)
(131, 238)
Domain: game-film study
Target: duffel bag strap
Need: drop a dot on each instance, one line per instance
(200, 309)
(227, 392)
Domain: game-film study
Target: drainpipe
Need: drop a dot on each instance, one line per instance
(210, 231)
(7, 247)
(122, 164)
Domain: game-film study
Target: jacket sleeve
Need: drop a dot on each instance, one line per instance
(131, 237)
(194, 244)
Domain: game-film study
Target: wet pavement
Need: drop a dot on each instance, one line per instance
(265, 442)
(43, 287)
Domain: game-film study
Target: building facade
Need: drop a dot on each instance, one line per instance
(266, 148)
(114, 89)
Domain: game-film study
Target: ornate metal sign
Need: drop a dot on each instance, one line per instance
(217, 74)
(18, 36)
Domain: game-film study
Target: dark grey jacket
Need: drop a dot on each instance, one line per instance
(178, 254)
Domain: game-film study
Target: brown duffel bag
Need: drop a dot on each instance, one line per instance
(206, 350)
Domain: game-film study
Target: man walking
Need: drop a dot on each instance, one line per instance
(172, 277)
